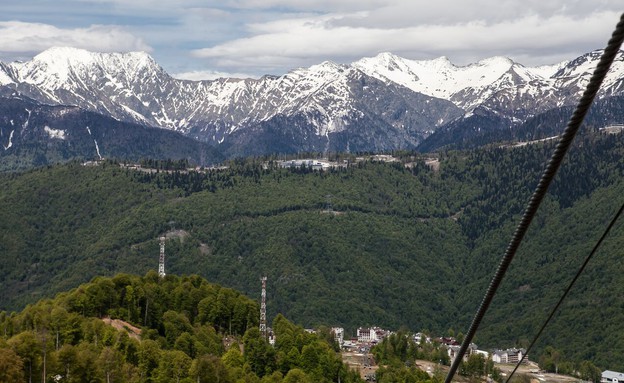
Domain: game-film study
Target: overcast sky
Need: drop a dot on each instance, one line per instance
(206, 39)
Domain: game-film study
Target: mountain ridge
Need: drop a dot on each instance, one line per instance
(34, 134)
(386, 102)
(498, 83)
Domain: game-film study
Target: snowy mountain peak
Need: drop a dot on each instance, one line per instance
(325, 68)
(55, 67)
(77, 56)
(386, 58)
(496, 61)
(576, 73)
(411, 97)
(64, 54)
(5, 78)
(497, 83)
(438, 77)
(548, 71)
(442, 61)
(584, 64)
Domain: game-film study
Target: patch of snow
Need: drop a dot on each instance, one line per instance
(27, 121)
(10, 140)
(133, 113)
(613, 129)
(5, 79)
(97, 148)
(55, 133)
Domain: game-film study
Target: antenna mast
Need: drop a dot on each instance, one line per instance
(263, 327)
(329, 208)
(161, 260)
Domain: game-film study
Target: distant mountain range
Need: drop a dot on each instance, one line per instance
(375, 104)
(35, 134)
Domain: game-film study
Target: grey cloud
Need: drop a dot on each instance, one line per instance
(317, 39)
(35, 37)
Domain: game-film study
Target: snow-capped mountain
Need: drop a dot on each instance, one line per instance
(439, 77)
(498, 83)
(380, 103)
(132, 87)
(34, 134)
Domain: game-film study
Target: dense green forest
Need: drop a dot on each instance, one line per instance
(404, 244)
(188, 332)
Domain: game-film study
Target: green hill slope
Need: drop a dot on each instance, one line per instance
(403, 246)
(188, 331)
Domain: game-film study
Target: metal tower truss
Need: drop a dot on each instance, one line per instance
(263, 326)
(161, 260)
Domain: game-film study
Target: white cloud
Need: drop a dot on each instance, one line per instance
(345, 37)
(21, 37)
(274, 36)
(199, 75)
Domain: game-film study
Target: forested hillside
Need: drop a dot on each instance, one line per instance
(404, 244)
(189, 332)
(34, 134)
(484, 127)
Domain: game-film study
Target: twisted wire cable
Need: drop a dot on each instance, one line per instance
(553, 165)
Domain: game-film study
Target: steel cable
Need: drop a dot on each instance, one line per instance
(553, 165)
(567, 290)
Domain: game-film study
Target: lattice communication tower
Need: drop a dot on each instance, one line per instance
(263, 327)
(328, 206)
(161, 260)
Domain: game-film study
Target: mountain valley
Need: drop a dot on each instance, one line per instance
(403, 244)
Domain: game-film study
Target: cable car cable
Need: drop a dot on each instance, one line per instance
(567, 290)
(564, 144)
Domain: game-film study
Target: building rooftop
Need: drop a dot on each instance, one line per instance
(613, 374)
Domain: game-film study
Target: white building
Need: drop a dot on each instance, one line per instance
(611, 377)
(420, 337)
(312, 164)
(370, 334)
(511, 355)
(338, 334)
(453, 350)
